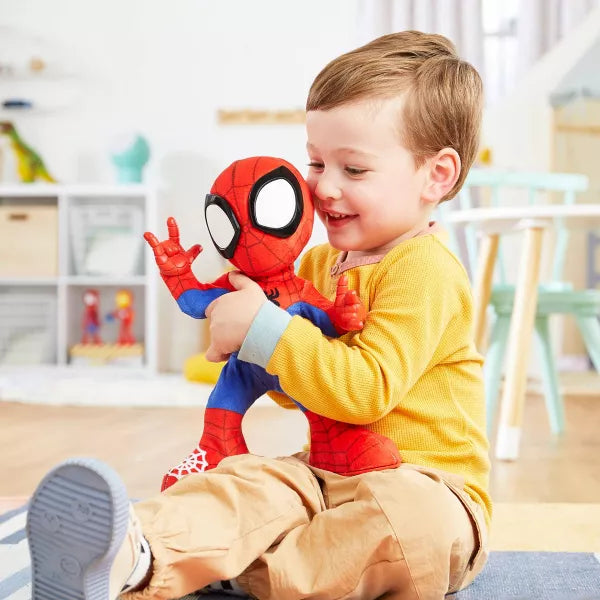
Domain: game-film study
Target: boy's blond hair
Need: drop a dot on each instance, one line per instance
(443, 95)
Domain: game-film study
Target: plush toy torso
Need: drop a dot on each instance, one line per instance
(260, 215)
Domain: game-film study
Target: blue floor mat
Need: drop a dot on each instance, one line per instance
(507, 576)
(536, 575)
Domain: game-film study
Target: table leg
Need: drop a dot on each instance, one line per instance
(482, 287)
(519, 343)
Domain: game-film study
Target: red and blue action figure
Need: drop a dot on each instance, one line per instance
(90, 321)
(125, 314)
(263, 244)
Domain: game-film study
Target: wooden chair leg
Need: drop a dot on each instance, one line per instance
(519, 342)
(482, 286)
(494, 360)
(589, 326)
(552, 396)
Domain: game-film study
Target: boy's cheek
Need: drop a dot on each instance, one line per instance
(322, 218)
(311, 181)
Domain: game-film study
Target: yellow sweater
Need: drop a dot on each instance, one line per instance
(412, 374)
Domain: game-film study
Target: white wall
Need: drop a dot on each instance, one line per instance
(165, 68)
(519, 129)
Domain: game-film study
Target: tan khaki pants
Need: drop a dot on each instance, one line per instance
(287, 531)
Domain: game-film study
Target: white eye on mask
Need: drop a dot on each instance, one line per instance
(275, 205)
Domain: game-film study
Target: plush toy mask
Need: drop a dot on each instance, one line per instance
(260, 214)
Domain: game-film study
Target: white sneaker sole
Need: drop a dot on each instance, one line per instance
(76, 523)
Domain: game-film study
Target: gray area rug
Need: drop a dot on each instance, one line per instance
(507, 576)
(536, 575)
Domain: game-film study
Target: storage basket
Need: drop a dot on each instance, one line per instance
(27, 328)
(28, 240)
(106, 239)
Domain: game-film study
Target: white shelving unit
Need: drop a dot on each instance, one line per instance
(43, 74)
(46, 93)
(124, 263)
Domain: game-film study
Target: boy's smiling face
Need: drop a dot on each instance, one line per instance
(368, 192)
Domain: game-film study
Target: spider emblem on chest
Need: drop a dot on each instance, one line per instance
(272, 295)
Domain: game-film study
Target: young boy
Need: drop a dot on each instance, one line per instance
(392, 131)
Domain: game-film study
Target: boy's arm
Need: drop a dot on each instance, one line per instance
(361, 379)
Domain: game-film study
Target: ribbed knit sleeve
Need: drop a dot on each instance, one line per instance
(413, 373)
(358, 379)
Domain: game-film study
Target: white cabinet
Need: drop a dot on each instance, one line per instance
(56, 242)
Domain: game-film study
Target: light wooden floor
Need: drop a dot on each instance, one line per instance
(548, 500)
(141, 443)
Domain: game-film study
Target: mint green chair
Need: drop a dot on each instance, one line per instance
(555, 297)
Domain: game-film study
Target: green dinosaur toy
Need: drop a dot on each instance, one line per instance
(29, 164)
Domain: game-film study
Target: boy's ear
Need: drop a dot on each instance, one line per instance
(443, 171)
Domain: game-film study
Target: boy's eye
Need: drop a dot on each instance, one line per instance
(355, 171)
(314, 164)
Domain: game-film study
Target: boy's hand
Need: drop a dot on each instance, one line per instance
(231, 316)
(348, 312)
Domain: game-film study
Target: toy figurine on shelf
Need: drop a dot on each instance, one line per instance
(125, 314)
(260, 215)
(92, 350)
(90, 323)
(30, 165)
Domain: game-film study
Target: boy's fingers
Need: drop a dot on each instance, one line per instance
(240, 281)
(208, 310)
(213, 355)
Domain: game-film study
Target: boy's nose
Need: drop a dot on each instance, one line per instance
(327, 188)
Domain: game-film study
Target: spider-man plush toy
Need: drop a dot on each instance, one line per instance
(263, 244)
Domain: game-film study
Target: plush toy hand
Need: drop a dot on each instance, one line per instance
(348, 313)
(174, 263)
(231, 316)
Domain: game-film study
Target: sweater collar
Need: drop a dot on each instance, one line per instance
(343, 263)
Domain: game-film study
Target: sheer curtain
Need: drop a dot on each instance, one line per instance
(502, 39)
(542, 23)
(459, 20)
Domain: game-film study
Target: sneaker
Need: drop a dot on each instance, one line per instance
(85, 541)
